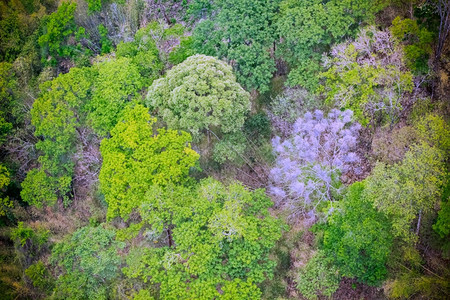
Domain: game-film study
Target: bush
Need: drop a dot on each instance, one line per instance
(318, 277)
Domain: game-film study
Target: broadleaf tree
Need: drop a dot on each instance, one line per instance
(133, 148)
(200, 95)
(215, 241)
(241, 32)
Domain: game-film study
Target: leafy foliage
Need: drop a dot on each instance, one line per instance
(240, 31)
(39, 189)
(29, 243)
(368, 76)
(56, 115)
(358, 238)
(310, 162)
(105, 43)
(89, 261)
(5, 203)
(442, 226)
(40, 276)
(183, 51)
(133, 149)
(200, 93)
(310, 27)
(435, 131)
(94, 5)
(318, 277)
(118, 83)
(418, 42)
(221, 237)
(56, 30)
(144, 51)
(404, 190)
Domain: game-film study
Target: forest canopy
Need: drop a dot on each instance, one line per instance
(224, 149)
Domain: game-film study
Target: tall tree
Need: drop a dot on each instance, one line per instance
(201, 95)
(242, 32)
(134, 158)
(308, 28)
(409, 189)
(358, 237)
(215, 242)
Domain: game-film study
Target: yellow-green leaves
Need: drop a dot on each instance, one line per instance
(39, 189)
(5, 203)
(118, 83)
(134, 158)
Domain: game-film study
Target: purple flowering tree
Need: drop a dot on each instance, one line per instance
(309, 163)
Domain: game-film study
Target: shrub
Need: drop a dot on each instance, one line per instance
(318, 277)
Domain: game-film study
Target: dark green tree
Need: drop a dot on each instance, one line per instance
(358, 238)
(241, 32)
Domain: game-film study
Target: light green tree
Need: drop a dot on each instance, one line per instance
(118, 83)
(134, 158)
(56, 115)
(201, 95)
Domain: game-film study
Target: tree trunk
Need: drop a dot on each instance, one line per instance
(169, 234)
(418, 222)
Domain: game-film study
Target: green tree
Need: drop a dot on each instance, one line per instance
(358, 238)
(201, 95)
(56, 30)
(442, 225)
(88, 261)
(118, 83)
(134, 149)
(8, 88)
(40, 276)
(213, 237)
(56, 115)
(105, 43)
(144, 52)
(242, 32)
(29, 243)
(409, 189)
(5, 203)
(434, 130)
(309, 27)
(319, 277)
(39, 189)
(417, 42)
